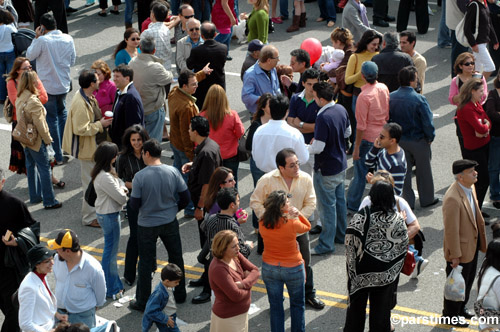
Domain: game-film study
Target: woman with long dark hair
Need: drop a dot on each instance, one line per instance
(37, 158)
(128, 163)
(128, 48)
(111, 196)
(282, 263)
(222, 177)
(488, 281)
(475, 127)
(373, 269)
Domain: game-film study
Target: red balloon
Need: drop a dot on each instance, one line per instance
(313, 47)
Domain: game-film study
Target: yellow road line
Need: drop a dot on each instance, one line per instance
(330, 303)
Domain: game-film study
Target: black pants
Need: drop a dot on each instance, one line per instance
(103, 4)
(58, 9)
(382, 300)
(347, 103)
(421, 14)
(380, 9)
(454, 308)
(170, 236)
(143, 11)
(8, 285)
(481, 156)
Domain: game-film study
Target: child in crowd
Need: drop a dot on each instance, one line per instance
(333, 63)
(161, 308)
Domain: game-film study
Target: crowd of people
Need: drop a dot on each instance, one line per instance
(364, 97)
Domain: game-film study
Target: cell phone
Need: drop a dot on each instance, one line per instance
(42, 30)
(8, 234)
(477, 75)
(240, 213)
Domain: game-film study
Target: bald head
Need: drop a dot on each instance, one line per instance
(269, 57)
(208, 30)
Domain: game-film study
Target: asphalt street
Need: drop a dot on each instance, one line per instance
(96, 37)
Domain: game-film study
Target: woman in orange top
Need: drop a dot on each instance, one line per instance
(17, 159)
(281, 261)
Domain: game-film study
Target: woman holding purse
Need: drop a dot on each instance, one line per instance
(29, 106)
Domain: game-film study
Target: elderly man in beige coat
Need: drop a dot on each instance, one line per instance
(464, 235)
(83, 124)
(152, 81)
(186, 44)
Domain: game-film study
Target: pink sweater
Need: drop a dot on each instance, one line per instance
(228, 134)
(455, 91)
(105, 95)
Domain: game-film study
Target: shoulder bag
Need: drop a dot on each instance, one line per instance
(25, 133)
(90, 194)
(479, 308)
(243, 153)
(8, 110)
(460, 31)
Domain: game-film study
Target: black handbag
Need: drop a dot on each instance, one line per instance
(90, 194)
(243, 153)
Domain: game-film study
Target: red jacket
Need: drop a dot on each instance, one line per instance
(471, 120)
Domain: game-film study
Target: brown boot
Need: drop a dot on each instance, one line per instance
(295, 24)
(302, 22)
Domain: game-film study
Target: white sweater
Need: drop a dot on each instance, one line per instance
(492, 299)
(110, 193)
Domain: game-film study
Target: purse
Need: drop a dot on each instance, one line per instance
(243, 153)
(479, 308)
(8, 110)
(347, 89)
(409, 263)
(459, 30)
(90, 194)
(25, 133)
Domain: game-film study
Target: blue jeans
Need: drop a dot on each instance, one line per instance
(165, 328)
(257, 173)
(154, 124)
(174, 6)
(202, 14)
(330, 195)
(39, 176)
(129, 11)
(358, 183)
(293, 277)
(327, 10)
(86, 317)
(56, 119)
(444, 37)
(180, 159)
(225, 38)
(283, 8)
(418, 258)
(494, 168)
(110, 224)
(6, 62)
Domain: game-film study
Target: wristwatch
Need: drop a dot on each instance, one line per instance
(200, 208)
(301, 124)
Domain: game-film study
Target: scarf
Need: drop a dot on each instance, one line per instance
(362, 12)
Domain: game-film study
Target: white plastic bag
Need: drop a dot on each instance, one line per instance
(454, 289)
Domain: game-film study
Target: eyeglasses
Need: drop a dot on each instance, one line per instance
(293, 165)
(27, 68)
(275, 58)
(194, 29)
(228, 181)
(134, 39)
(187, 17)
(469, 64)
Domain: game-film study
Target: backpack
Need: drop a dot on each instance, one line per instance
(22, 39)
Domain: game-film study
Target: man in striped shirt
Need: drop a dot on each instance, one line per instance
(387, 154)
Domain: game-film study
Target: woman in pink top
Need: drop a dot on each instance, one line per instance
(105, 95)
(225, 126)
(282, 263)
(224, 17)
(231, 277)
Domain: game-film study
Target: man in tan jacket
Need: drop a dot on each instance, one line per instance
(83, 124)
(464, 235)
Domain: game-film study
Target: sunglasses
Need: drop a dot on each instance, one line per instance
(188, 17)
(134, 39)
(27, 68)
(468, 64)
(194, 29)
(228, 181)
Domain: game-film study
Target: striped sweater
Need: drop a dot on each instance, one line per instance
(220, 222)
(395, 164)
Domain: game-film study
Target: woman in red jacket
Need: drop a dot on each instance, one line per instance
(475, 127)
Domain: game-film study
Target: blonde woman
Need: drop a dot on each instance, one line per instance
(225, 126)
(258, 20)
(37, 159)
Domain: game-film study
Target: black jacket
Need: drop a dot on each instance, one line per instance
(486, 33)
(215, 53)
(390, 61)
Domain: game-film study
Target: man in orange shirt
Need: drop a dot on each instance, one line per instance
(289, 178)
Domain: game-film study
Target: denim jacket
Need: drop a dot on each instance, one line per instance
(154, 308)
(412, 112)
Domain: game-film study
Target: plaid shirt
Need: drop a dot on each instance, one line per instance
(161, 34)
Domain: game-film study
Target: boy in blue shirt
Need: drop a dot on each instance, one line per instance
(161, 308)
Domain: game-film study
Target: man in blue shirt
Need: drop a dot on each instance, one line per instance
(412, 112)
(155, 190)
(261, 78)
(330, 162)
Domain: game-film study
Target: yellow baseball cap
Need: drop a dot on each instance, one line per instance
(65, 239)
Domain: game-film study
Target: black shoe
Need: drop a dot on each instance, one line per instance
(390, 18)
(434, 202)
(496, 205)
(316, 230)
(202, 298)
(114, 12)
(128, 282)
(136, 306)
(380, 23)
(455, 321)
(228, 58)
(51, 207)
(102, 14)
(315, 302)
(467, 314)
(71, 10)
(485, 215)
(196, 283)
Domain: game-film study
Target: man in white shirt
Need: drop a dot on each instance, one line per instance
(80, 283)
(276, 135)
(54, 53)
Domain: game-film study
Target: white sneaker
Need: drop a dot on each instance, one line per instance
(421, 265)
